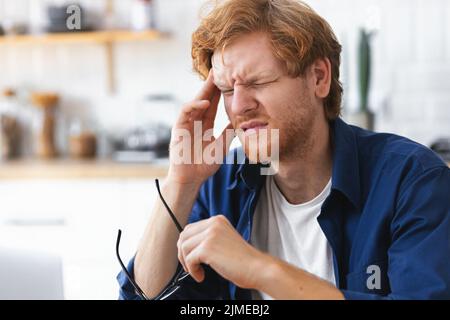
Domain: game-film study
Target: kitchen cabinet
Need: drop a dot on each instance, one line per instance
(78, 219)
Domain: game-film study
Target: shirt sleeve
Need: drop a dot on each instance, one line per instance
(210, 288)
(126, 289)
(419, 255)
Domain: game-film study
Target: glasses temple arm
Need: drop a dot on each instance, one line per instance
(135, 285)
(177, 224)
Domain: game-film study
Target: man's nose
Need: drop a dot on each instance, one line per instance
(243, 101)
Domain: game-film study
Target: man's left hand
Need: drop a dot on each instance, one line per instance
(216, 243)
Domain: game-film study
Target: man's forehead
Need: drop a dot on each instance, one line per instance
(251, 47)
(246, 66)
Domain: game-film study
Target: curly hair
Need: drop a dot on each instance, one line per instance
(297, 33)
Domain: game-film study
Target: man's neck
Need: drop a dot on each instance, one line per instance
(301, 179)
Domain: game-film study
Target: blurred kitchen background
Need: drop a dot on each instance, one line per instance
(86, 117)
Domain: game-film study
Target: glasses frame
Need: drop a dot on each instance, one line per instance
(174, 284)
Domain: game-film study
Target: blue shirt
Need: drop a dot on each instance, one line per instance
(387, 218)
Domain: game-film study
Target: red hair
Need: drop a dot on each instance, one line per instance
(298, 37)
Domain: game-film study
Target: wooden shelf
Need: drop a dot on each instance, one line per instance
(79, 169)
(80, 37)
(104, 38)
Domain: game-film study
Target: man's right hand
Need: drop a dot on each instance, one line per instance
(202, 109)
(156, 258)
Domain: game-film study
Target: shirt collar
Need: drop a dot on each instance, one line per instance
(246, 172)
(345, 173)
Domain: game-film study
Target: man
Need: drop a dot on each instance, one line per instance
(349, 213)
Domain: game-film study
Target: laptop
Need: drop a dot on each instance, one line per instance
(30, 275)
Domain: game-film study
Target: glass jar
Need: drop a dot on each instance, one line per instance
(82, 139)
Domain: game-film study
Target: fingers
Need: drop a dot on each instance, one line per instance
(185, 250)
(204, 107)
(194, 244)
(208, 89)
(188, 238)
(192, 110)
(194, 228)
(193, 262)
(212, 93)
(210, 114)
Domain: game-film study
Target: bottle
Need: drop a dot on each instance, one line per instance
(10, 131)
(45, 124)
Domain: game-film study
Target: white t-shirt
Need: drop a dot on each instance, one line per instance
(291, 232)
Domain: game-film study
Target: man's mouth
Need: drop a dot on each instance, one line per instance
(251, 127)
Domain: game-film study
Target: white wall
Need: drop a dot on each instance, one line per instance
(411, 94)
(410, 87)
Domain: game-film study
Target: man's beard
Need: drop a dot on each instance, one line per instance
(292, 139)
(263, 146)
(297, 136)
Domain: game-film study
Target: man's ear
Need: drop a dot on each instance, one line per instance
(321, 72)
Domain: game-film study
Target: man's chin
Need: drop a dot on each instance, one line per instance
(258, 155)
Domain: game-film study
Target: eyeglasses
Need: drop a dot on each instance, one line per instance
(175, 284)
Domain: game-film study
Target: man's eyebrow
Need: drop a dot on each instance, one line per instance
(256, 77)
